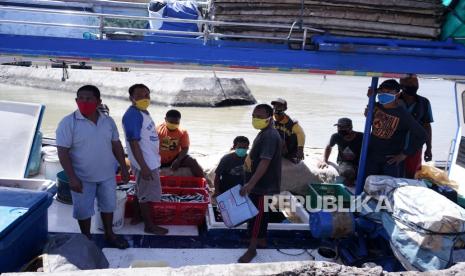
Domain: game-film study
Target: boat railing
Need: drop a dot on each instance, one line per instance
(207, 33)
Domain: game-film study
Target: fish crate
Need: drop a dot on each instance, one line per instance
(183, 182)
(176, 213)
(318, 192)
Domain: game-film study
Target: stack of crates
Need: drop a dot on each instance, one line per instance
(178, 213)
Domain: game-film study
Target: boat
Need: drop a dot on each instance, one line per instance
(204, 90)
(323, 54)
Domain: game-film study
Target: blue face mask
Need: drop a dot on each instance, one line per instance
(241, 152)
(386, 98)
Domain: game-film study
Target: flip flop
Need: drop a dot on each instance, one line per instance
(118, 242)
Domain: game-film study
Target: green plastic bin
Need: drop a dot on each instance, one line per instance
(318, 191)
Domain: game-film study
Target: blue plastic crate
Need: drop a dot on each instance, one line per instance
(23, 226)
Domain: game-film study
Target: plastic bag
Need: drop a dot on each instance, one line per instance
(437, 176)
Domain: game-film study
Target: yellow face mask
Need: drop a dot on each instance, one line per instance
(258, 123)
(171, 126)
(143, 104)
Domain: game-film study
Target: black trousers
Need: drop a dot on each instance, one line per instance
(258, 225)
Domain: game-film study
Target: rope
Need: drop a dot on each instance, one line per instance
(219, 83)
(297, 254)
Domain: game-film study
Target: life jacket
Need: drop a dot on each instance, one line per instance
(289, 138)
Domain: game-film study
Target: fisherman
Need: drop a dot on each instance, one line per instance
(142, 146)
(88, 143)
(291, 132)
(420, 108)
(103, 108)
(230, 170)
(388, 146)
(263, 175)
(349, 144)
(174, 146)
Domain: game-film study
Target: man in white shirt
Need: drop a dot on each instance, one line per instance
(143, 150)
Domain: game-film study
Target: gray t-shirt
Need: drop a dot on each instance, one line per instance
(267, 145)
(90, 145)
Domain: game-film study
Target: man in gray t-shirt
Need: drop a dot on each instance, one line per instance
(88, 143)
(263, 176)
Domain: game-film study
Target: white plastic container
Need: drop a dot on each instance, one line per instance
(52, 166)
(28, 184)
(118, 215)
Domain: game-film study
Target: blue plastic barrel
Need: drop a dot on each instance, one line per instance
(332, 224)
(64, 191)
(321, 224)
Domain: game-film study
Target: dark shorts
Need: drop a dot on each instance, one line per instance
(348, 170)
(148, 190)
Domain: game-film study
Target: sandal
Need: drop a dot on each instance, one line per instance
(118, 242)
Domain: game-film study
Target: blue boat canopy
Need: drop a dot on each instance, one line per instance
(342, 55)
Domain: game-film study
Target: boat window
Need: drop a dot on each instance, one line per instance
(463, 105)
(461, 154)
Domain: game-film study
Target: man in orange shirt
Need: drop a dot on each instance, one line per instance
(174, 145)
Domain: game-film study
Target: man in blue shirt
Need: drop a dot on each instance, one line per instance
(88, 143)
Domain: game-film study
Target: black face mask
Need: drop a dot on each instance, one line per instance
(343, 132)
(410, 90)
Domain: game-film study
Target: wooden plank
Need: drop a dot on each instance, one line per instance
(359, 33)
(388, 17)
(417, 4)
(322, 22)
(219, 8)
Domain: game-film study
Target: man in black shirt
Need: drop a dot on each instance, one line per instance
(230, 170)
(292, 134)
(388, 146)
(420, 108)
(349, 144)
(263, 175)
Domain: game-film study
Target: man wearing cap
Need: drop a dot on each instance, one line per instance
(291, 132)
(349, 144)
(420, 108)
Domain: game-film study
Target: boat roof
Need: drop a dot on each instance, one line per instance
(315, 52)
(333, 55)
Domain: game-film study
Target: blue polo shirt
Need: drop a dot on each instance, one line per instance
(90, 145)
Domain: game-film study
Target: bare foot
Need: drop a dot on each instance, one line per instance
(157, 230)
(117, 242)
(248, 256)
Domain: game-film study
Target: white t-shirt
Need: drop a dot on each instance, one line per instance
(139, 126)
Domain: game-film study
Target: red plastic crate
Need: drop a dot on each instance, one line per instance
(176, 213)
(119, 179)
(183, 181)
